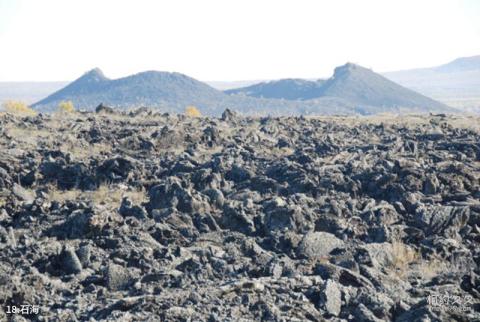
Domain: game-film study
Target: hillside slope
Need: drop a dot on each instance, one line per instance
(456, 83)
(290, 89)
(365, 87)
(171, 91)
(366, 91)
(352, 90)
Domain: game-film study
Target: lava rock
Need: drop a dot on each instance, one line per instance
(331, 299)
(127, 208)
(104, 109)
(70, 263)
(318, 245)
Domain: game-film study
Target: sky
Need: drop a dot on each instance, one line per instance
(227, 40)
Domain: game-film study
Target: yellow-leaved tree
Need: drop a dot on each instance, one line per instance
(192, 111)
(66, 107)
(17, 107)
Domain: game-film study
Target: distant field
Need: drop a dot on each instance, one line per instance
(29, 92)
(470, 104)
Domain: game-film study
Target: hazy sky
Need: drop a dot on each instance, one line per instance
(230, 39)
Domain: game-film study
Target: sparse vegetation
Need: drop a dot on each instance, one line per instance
(17, 107)
(103, 194)
(281, 152)
(198, 183)
(192, 111)
(406, 260)
(431, 268)
(83, 151)
(66, 107)
(402, 256)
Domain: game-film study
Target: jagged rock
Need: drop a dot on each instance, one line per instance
(379, 254)
(69, 261)
(282, 218)
(235, 218)
(22, 194)
(318, 245)
(216, 197)
(431, 186)
(104, 109)
(116, 169)
(211, 135)
(84, 255)
(332, 300)
(127, 208)
(363, 314)
(445, 220)
(229, 115)
(238, 174)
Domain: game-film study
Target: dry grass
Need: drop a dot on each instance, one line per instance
(471, 122)
(281, 152)
(58, 119)
(104, 194)
(406, 260)
(28, 136)
(79, 152)
(402, 257)
(431, 268)
(21, 133)
(63, 195)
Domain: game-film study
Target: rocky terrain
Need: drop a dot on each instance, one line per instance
(143, 216)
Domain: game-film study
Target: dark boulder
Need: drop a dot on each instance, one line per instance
(128, 209)
(104, 109)
(116, 169)
(69, 261)
(229, 115)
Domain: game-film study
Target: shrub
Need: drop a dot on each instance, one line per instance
(192, 111)
(66, 107)
(17, 107)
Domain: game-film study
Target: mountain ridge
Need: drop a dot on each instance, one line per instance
(172, 92)
(456, 83)
(349, 82)
(287, 88)
(150, 88)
